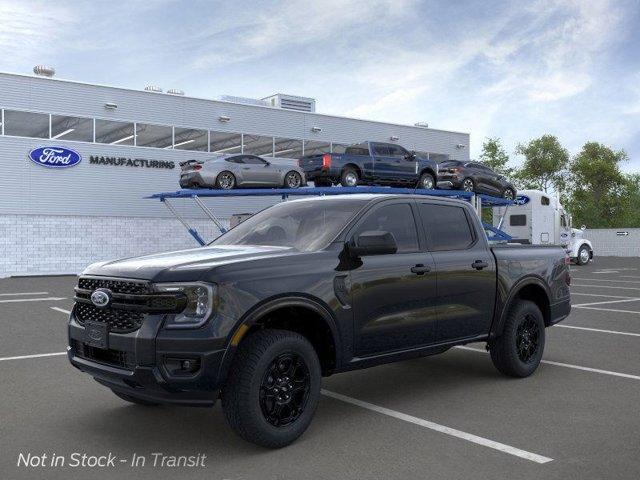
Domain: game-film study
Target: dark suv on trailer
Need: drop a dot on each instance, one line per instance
(305, 289)
(475, 177)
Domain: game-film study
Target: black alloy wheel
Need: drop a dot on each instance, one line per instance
(467, 185)
(285, 389)
(527, 339)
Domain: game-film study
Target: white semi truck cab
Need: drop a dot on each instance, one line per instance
(538, 218)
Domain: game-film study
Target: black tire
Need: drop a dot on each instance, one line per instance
(137, 401)
(468, 185)
(322, 182)
(292, 180)
(347, 176)
(226, 180)
(246, 393)
(509, 193)
(518, 351)
(427, 181)
(584, 255)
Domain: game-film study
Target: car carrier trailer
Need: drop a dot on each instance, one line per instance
(478, 201)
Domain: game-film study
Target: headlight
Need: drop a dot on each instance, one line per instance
(199, 307)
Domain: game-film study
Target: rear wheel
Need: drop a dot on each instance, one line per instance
(509, 194)
(293, 180)
(349, 177)
(518, 351)
(273, 388)
(584, 255)
(137, 401)
(427, 181)
(468, 185)
(226, 180)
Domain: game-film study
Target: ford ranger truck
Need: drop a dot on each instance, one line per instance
(371, 163)
(310, 288)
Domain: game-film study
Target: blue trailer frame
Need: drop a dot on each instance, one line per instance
(478, 200)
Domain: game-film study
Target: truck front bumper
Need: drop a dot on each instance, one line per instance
(148, 363)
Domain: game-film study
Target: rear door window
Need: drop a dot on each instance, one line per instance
(446, 227)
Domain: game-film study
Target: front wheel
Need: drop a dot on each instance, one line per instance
(273, 388)
(427, 181)
(293, 180)
(583, 255)
(468, 185)
(518, 351)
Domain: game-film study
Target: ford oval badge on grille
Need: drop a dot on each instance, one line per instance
(55, 157)
(101, 297)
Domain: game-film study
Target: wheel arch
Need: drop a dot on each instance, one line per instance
(355, 166)
(430, 171)
(297, 313)
(532, 289)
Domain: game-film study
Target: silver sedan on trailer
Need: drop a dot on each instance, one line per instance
(241, 170)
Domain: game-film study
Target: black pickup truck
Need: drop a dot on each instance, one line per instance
(309, 288)
(371, 163)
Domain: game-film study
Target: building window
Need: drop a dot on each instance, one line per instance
(287, 148)
(114, 133)
(312, 147)
(26, 124)
(190, 139)
(157, 136)
(258, 145)
(224, 142)
(72, 128)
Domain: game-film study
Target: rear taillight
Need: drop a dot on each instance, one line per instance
(326, 161)
(197, 167)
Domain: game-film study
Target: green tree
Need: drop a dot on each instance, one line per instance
(632, 214)
(545, 164)
(600, 193)
(495, 156)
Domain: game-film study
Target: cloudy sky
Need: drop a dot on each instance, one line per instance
(514, 70)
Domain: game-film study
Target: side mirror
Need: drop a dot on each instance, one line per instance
(267, 164)
(373, 242)
(410, 156)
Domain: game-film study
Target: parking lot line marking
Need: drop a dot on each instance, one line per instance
(440, 428)
(16, 300)
(606, 309)
(599, 330)
(22, 293)
(607, 286)
(61, 310)
(606, 280)
(632, 299)
(40, 355)
(568, 365)
(597, 295)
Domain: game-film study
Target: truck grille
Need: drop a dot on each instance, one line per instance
(115, 358)
(120, 320)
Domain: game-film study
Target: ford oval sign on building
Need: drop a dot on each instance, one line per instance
(55, 157)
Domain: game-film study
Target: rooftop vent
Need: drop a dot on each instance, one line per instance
(292, 102)
(175, 91)
(153, 88)
(44, 71)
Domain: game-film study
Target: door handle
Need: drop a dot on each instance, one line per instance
(246, 168)
(479, 264)
(420, 269)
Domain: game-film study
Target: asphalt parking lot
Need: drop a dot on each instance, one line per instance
(447, 416)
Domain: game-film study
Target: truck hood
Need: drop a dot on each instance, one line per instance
(183, 265)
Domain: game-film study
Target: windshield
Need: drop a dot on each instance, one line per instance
(305, 225)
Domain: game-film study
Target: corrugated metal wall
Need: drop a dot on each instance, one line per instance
(614, 242)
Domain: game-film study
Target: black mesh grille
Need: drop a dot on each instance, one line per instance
(116, 358)
(120, 321)
(116, 286)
